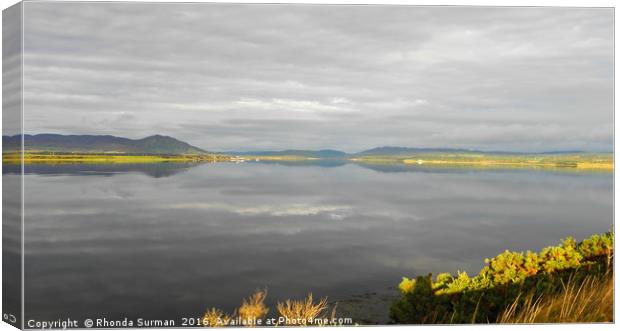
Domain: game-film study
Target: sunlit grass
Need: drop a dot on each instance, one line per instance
(253, 308)
(216, 318)
(590, 300)
(298, 312)
(574, 162)
(598, 162)
(253, 312)
(64, 158)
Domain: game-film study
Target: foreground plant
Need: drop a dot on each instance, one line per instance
(215, 318)
(300, 312)
(253, 308)
(590, 300)
(253, 312)
(506, 280)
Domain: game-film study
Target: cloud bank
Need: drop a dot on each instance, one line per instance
(254, 77)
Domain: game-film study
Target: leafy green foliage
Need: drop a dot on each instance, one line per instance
(597, 246)
(406, 285)
(565, 256)
(501, 282)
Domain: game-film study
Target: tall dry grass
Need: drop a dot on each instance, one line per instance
(299, 312)
(253, 308)
(589, 300)
(216, 318)
(291, 312)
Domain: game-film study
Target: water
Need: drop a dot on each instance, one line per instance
(170, 240)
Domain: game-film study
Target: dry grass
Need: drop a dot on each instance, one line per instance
(299, 312)
(253, 308)
(590, 300)
(216, 318)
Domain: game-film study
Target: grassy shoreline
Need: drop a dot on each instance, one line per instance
(64, 158)
(576, 162)
(598, 162)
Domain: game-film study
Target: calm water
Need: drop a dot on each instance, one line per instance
(163, 241)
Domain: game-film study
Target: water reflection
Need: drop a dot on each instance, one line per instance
(155, 170)
(139, 246)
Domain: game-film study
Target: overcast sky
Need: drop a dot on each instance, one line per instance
(251, 77)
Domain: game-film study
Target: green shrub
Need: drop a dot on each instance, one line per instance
(501, 282)
(597, 246)
(511, 267)
(557, 258)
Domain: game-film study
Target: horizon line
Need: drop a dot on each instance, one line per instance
(241, 150)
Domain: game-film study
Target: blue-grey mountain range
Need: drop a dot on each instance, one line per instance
(159, 144)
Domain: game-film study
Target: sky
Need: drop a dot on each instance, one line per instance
(271, 77)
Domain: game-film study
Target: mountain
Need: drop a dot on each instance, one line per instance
(393, 151)
(159, 144)
(156, 144)
(404, 151)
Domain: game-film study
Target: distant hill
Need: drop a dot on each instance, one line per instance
(404, 151)
(323, 153)
(156, 144)
(390, 150)
(385, 151)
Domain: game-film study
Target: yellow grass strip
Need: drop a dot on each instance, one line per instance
(15, 158)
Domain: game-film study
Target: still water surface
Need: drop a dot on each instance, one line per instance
(170, 240)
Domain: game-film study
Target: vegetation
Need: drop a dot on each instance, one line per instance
(302, 311)
(581, 161)
(598, 162)
(254, 308)
(589, 300)
(513, 283)
(216, 318)
(253, 312)
(58, 158)
(56, 148)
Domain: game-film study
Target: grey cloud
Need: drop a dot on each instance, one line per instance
(248, 77)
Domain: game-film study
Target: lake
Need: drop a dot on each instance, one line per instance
(171, 240)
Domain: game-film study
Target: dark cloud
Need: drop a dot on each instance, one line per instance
(247, 77)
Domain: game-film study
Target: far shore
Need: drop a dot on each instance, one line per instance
(66, 158)
(584, 161)
(577, 162)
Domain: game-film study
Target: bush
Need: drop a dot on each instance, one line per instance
(597, 246)
(502, 282)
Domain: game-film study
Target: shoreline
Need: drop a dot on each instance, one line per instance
(578, 162)
(78, 158)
